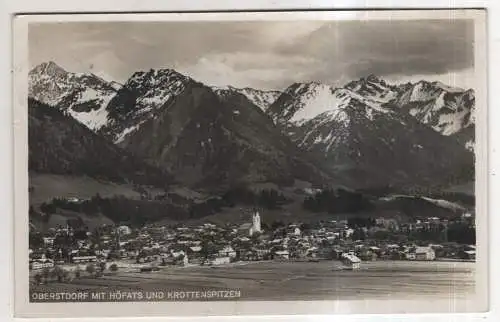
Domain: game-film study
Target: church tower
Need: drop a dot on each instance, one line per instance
(256, 222)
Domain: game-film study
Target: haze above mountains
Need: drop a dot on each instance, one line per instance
(365, 134)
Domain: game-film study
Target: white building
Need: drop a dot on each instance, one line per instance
(227, 251)
(42, 263)
(348, 232)
(351, 261)
(253, 227)
(421, 254)
(124, 230)
(256, 223)
(220, 260)
(281, 254)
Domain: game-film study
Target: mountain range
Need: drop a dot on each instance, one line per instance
(367, 131)
(365, 134)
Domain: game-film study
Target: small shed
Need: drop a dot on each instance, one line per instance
(351, 261)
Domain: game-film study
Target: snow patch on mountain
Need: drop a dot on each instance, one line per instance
(444, 203)
(373, 88)
(260, 98)
(142, 97)
(438, 202)
(447, 88)
(96, 118)
(446, 109)
(155, 88)
(304, 102)
(319, 99)
(83, 95)
(116, 86)
(418, 93)
(449, 124)
(470, 145)
(120, 137)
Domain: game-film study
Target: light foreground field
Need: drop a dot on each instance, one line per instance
(299, 281)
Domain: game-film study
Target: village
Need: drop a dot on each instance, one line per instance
(154, 246)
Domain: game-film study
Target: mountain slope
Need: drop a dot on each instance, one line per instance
(141, 98)
(447, 110)
(368, 142)
(204, 138)
(58, 144)
(302, 101)
(84, 96)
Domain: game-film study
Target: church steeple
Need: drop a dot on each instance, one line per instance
(256, 222)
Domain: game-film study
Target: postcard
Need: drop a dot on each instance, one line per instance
(250, 163)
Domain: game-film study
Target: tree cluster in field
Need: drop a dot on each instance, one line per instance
(457, 232)
(61, 275)
(337, 201)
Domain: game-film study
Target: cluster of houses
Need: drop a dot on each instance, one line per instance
(210, 244)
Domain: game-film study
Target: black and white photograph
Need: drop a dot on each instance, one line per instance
(254, 158)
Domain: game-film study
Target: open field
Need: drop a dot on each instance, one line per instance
(48, 186)
(388, 280)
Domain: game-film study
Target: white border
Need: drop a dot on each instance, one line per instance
(21, 65)
(186, 5)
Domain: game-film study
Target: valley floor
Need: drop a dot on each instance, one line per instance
(279, 281)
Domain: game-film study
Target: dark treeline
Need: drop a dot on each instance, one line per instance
(461, 233)
(356, 222)
(139, 212)
(337, 201)
(119, 209)
(458, 232)
(266, 198)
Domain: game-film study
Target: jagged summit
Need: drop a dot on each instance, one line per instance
(142, 97)
(82, 95)
(155, 74)
(446, 109)
(260, 98)
(50, 68)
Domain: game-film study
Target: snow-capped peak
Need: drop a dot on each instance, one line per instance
(448, 110)
(83, 95)
(260, 98)
(116, 86)
(447, 88)
(48, 68)
(151, 90)
(373, 88)
(155, 87)
(304, 101)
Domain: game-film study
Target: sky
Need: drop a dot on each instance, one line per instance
(263, 54)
